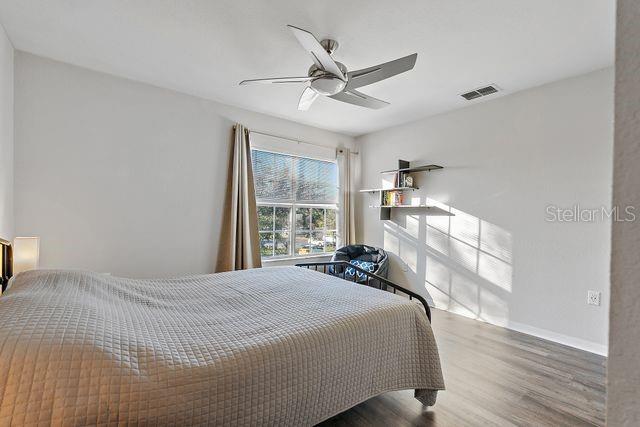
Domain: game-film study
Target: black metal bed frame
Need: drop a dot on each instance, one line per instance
(340, 270)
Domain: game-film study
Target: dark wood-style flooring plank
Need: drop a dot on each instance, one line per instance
(495, 377)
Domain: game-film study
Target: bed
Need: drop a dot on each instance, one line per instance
(271, 346)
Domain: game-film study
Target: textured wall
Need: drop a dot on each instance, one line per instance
(623, 377)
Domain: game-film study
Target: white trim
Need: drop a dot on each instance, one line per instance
(574, 342)
(264, 142)
(268, 143)
(545, 334)
(298, 258)
(293, 231)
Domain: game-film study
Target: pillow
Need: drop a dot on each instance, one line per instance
(365, 265)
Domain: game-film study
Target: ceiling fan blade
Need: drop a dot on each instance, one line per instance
(358, 98)
(320, 56)
(306, 99)
(277, 80)
(366, 76)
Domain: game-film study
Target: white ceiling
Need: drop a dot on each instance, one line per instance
(204, 47)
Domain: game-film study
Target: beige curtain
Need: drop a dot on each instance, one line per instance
(347, 228)
(240, 242)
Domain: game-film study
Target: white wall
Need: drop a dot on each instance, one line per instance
(123, 177)
(623, 375)
(6, 136)
(505, 161)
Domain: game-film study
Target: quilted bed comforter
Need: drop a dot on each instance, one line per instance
(272, 346)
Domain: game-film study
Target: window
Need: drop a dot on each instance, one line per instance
(297, 201)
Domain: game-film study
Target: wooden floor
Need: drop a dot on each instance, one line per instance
(495, 377)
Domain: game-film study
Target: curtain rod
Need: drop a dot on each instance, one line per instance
(292, 139)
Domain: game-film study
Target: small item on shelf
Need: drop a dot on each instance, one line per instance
(385, 198)
(393, 199)
(408, 181)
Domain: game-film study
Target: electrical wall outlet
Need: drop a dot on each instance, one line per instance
(593, 297)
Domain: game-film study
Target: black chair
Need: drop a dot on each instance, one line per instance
(366, 253)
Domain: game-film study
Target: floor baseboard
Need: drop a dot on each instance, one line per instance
(579, 343)
(545, 334)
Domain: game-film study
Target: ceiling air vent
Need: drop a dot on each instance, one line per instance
(471, 95)
(483, 91)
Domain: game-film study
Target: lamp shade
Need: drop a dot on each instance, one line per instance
(26, 254)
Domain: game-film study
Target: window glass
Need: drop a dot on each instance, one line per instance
(282, 220)
(265, 218)
(316, 181)
(266, 244)
(303, 220)
(317, 218)
(272, 176)
(331, 219)
(303, 244)
(297, 204)
(282, 242)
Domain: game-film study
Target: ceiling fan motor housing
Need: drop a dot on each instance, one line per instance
(326, 83)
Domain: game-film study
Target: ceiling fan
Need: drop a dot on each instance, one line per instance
(331, 78)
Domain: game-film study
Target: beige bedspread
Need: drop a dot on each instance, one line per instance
(273, 346)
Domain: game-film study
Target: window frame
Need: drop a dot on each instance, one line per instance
(292, 205)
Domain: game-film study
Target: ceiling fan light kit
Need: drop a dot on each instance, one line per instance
(330, 78)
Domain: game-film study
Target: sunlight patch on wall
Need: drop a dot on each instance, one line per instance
(495, 271)
(464, 254)
(467, 261)
(464, 296)
(465, 227)
(438, 240)
(493, 308)
(412, 227)
(496, 241)
(440, 223)
(401, 241)
(409, 255)
(476, 245)
(438, 282)
(475, 257)
(391, 240)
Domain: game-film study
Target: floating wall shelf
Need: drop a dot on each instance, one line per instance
(409, 207)
(404, 169)
(375, 190)
(385, 211)
(425, 168)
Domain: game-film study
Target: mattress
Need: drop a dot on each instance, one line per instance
(271, 346)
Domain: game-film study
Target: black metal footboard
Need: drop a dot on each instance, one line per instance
(370, 279)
